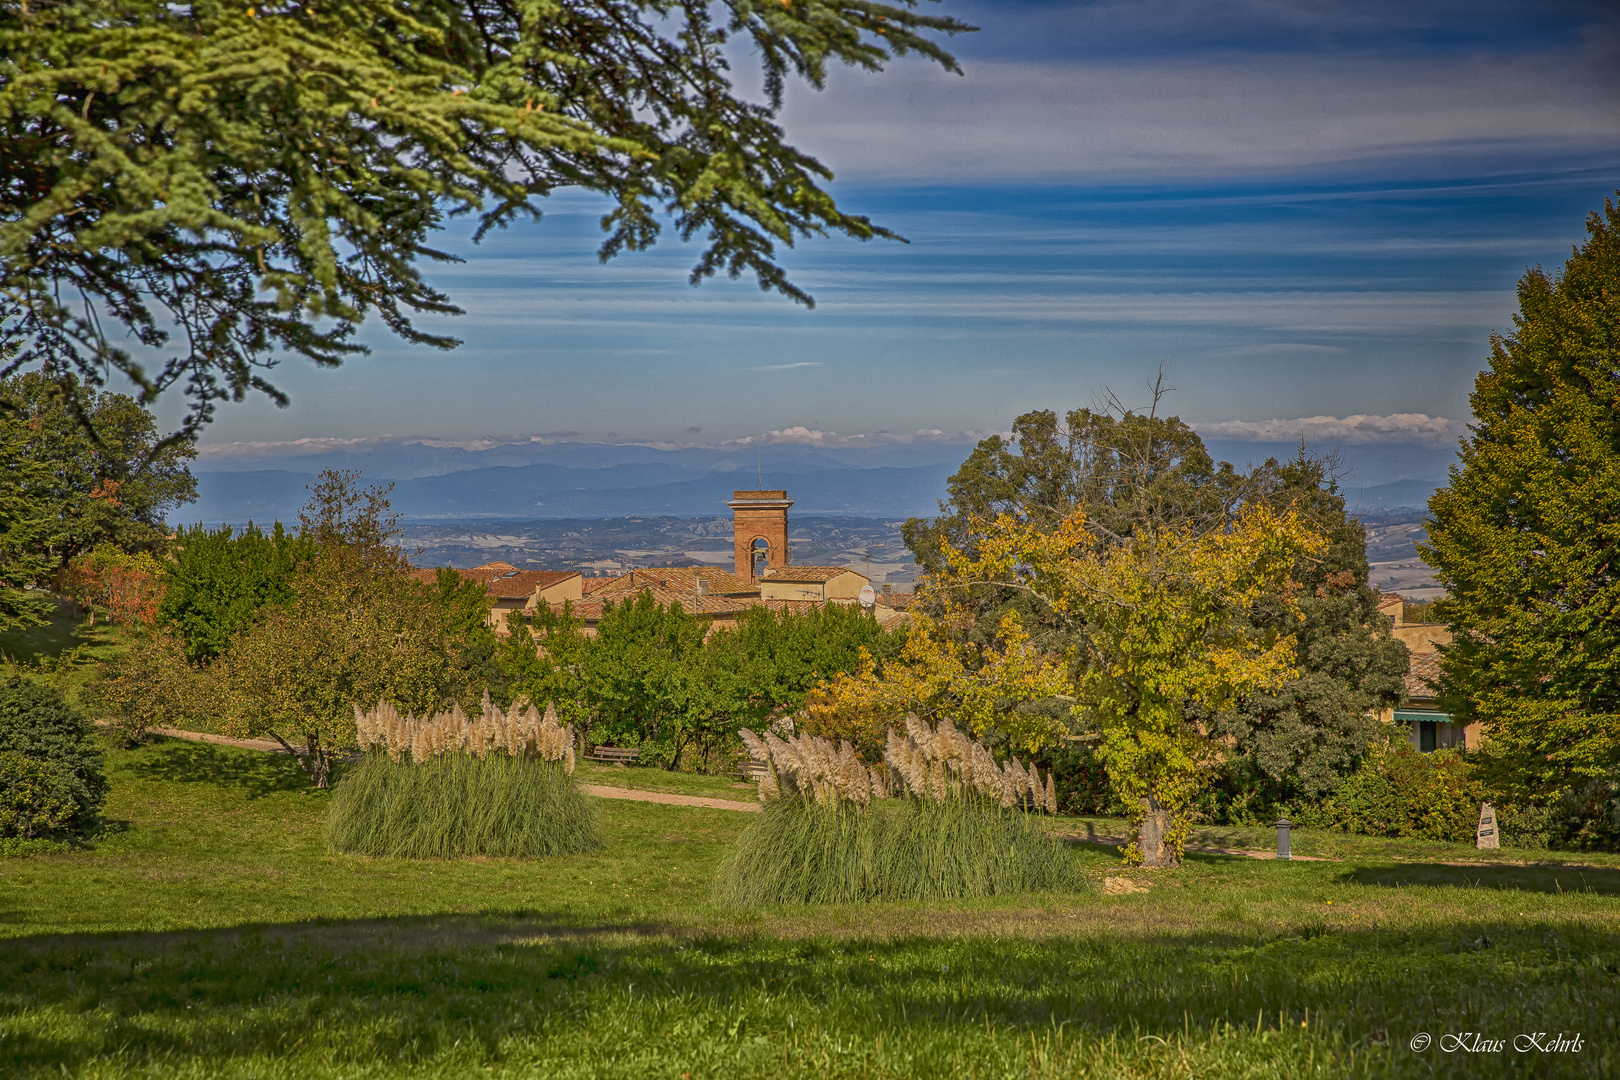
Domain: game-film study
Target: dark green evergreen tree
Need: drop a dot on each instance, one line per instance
(1526, 535)
(217, 581)
(236, 183)
(77, 469)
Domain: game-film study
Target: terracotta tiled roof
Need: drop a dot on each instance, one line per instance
(1423, 679)
(496, 567)
(588, 610)
(591, 584)
(899, 601)
(1390, 599)
(810, 573)
(504, 584)
(895, 621)
(679, 578)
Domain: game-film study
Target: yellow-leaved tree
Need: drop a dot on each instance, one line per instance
(939, 672)
(1160, 621)
(1160, 626)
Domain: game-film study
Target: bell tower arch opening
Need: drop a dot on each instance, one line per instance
(759, 557)
(759, 532)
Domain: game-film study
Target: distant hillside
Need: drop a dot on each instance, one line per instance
(537, 492)
(550, 481)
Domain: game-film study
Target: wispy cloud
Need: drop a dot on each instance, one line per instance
(1212, 115)
(787, 367)
(804, 436)
(1356, 430)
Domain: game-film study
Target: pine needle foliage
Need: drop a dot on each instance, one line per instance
(457, 804)
(263, 177)
(941, 821)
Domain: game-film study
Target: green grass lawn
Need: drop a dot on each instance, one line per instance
(208, 934)
(41, 647)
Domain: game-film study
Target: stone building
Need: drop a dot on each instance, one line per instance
(516, 590)
(1431, 729)
(763, 574)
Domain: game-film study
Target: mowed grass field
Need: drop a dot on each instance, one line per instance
(208, 934)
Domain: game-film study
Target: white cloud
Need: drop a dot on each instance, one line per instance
(1208, 115)
(803, 436)
(1357, 429)
(787, 367)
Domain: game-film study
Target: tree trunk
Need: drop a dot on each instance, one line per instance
(315, 761)
(1152, 840)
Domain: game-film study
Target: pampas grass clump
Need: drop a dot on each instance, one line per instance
(447, 786)
(897, 849)
(942, 821)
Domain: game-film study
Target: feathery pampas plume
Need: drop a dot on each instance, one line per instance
(812, 769)
(933, 763)
(941, 763)
(519, 732)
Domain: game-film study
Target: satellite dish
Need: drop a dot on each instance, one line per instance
(868, 597)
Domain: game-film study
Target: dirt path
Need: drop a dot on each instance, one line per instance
(598, 790)
(667, 798)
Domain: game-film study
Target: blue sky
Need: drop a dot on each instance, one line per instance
(1299, 210)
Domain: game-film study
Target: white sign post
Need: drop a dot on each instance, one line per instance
(1486, 837)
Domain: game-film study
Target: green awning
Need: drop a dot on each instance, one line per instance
(1412, 716)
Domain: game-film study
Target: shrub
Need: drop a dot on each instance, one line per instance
(830, 834)
(51, 757)
(149, 686)
(1527, 826)
(1399, 791)
(36, 800)
(1588, 818)
(499, 783)
(457, 804)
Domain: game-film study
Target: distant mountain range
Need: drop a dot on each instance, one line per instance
(540, 481)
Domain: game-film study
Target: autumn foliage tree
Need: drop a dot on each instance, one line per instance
(1166, 628)
(1129, 472)
(128, 587)
(1162, 632)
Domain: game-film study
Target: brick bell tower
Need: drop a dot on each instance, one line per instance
(757, 516)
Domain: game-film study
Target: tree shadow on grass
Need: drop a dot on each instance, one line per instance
(1531, 878)
(409, 991)
(252, 772)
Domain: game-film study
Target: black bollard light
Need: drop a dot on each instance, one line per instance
(1282, 838)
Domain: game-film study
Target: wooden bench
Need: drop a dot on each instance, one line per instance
(750, 771)
(613, 755)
